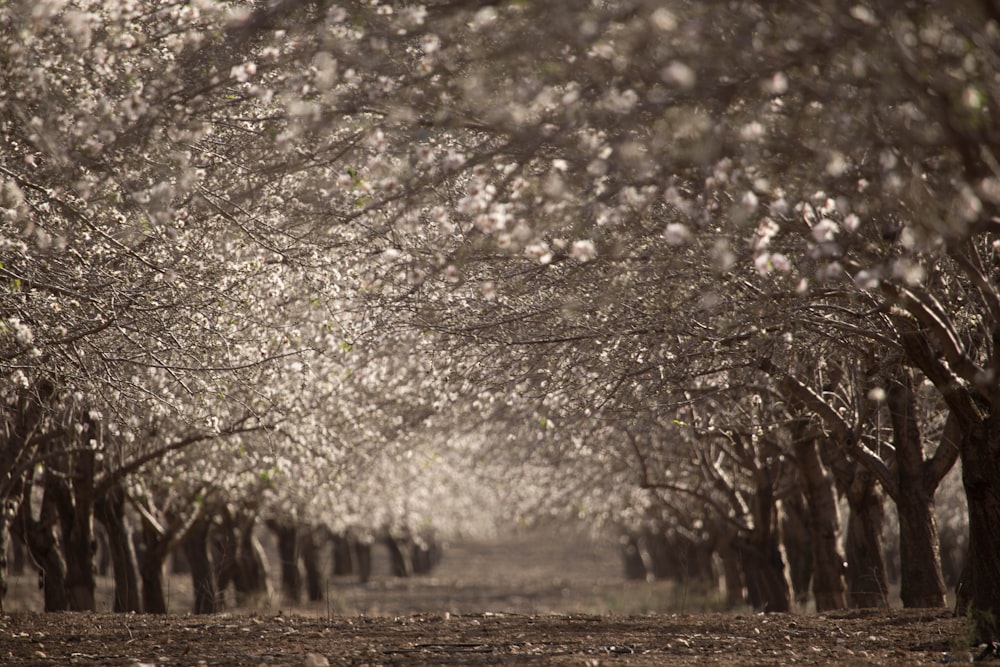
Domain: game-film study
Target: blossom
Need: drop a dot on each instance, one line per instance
(583, 250)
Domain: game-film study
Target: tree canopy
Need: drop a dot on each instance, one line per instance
(379, 244)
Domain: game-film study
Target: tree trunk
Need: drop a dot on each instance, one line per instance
(760, 553)
(75, 501)
(798, 541)
(343, 554)
(110, 511)
(634, 566)
(981, 478)
(152, 560)
(8, 510)
(206, 592)
(399, 556)
(922, 583)
(867, 583)
(252, 580)
(921, 580)
(725, 545)
(829, 587)
(310, 559)
(288, 552)
(39, 536)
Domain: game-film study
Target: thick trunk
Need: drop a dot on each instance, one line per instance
(151, 565)
(426, 555)
(309, 549)
(154, 599)
(867, 583)
(288, 552)
(399, 555)
(760, 554)
(980, 475)
(764, 572)
(40, 538)
(110, 511)
(921, 581)
(725, 545)
(829, 586)
(797, 538)
(252, 579)
(206, 592)
(632, 562)
(344, 546)
(76, 514)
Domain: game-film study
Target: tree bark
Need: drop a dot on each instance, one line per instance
(74, 493)
(634, 567)
(760, 553)
(288, 552)
(8, 510)
(399, 556)
(726, 547)
(981, 478)
(867, 583)
(39, 536)
(110, 511)
(309, 549)
(921, 579)
(206, 591)
(829, 586)
(797, 538)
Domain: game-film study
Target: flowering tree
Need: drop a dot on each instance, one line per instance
(570, 212)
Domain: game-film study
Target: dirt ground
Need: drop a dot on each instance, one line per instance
(512, 601)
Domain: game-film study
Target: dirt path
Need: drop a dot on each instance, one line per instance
(482, 639)
(551, 598)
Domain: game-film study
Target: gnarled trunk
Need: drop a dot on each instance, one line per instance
(74, 493)
(921, 580)
(797, 538)
(206, 591)
(981, 478)
(867, 583)
(110, 511)
(288, 552)
(309, 548)
(760, 554)
(40, 537)
(829, 586)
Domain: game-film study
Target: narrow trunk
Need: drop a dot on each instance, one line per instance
(867, 583)
(206, 592)
(829, 586)
(8, 509)
(110, 511)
